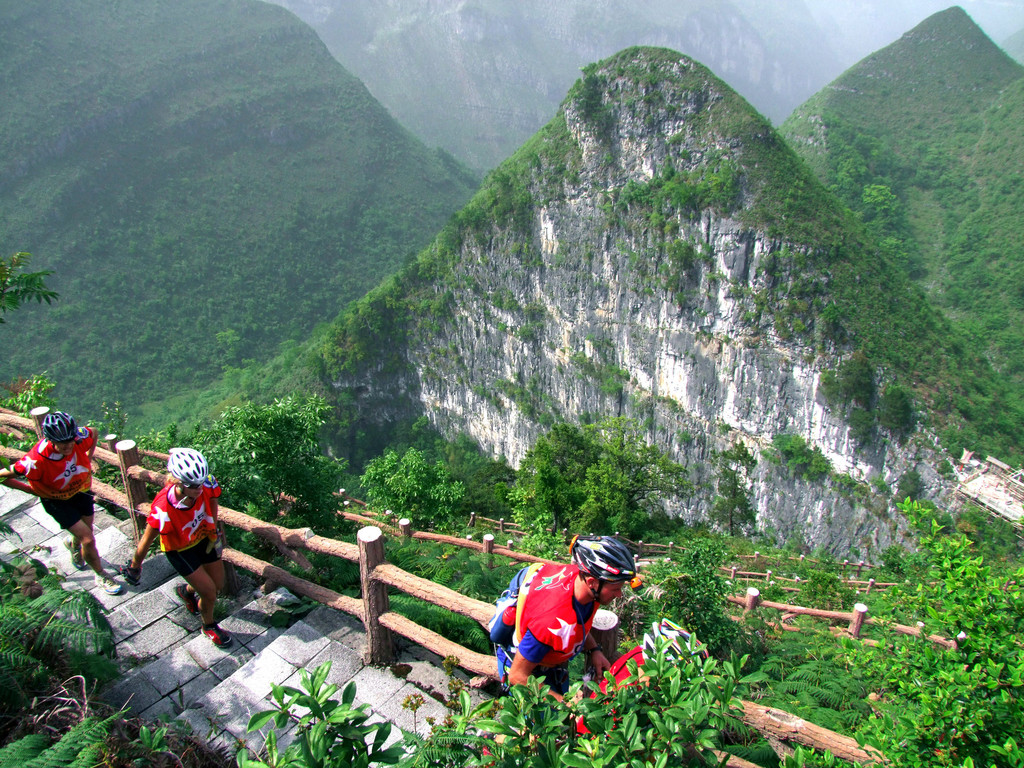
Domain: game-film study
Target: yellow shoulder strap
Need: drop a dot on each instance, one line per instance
(521, 601)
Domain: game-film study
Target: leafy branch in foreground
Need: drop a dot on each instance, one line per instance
(17, 286)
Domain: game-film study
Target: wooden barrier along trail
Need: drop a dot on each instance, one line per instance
(376, 576)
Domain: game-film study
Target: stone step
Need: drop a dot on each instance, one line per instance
(172, 671)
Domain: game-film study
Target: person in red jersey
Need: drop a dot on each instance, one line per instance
(59, 470)
(544, 618)
(184, 516)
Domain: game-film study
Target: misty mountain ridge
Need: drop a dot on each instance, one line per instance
(205, 181)
(658, 252)
(923, 140)
(479, 78)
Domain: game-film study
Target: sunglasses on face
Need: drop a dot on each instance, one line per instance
(190, 486)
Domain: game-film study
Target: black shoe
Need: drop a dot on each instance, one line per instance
(131, 575)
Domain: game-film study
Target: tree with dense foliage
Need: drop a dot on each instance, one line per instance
(732, 507)
(600, 478)
(269, 462)
(414, 488)
(949, 707)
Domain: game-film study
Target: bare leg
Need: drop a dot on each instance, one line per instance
(82, 531)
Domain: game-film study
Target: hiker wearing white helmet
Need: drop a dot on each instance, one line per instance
(184, 516)
(59, 471)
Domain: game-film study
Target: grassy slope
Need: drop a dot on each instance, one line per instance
(205, 181)
(935, 118)
(874, 305)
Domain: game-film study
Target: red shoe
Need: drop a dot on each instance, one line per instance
(218, 636)
(190, 599)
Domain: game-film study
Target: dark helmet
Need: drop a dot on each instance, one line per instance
(603, 557)
(59, 427)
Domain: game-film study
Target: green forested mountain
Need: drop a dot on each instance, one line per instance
(204, 180)
(658, 251)
(924, 141)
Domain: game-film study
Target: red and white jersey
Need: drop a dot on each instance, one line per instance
(180, 528)
(552, 617)
(54, 476)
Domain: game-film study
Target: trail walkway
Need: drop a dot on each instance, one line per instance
(171, 670)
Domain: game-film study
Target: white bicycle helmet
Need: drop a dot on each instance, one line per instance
(188, 465)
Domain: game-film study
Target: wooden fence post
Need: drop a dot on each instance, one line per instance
(110, 442)
(871, 583)
(606, 631)
(38, 414)
(380, 647)
(489, 549)
(753, 599)
(501, 525)
(860, 612)
(405, 526)
(128, 456)
(472, 519)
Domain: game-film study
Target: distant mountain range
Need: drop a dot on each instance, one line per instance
(205, 181)
(925, 141)
(479, 78)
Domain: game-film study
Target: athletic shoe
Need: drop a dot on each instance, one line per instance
(109, 586)
(76, 553)
(129, 574)
(217, 636)
(190, 599)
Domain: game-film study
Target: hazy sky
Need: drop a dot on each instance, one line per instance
(864, 26)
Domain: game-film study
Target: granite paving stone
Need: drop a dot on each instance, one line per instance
(154, 639)
(192, 692)
(172, 670)
(298, 644)
(163, 708)
(40, 515)
(227, 666)
(345, 663)
(135, 690)
(266, 668)
(260, 642)
(206, 653)
(374, 684)
(230, 706)
(148, 607)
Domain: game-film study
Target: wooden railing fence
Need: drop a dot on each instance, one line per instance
(377, 575)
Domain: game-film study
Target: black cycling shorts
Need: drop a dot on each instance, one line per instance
(185, 561)
(67, 512)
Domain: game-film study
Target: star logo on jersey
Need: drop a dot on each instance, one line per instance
(547, 581)
(192, 525)
(29, 464)
(71, 471)
(162, 518)
(563, 632)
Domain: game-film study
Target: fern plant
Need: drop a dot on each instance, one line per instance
(80, 747)
(46, 631)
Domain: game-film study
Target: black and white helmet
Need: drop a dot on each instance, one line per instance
(59, 427)
(188, 465)
(603, 557)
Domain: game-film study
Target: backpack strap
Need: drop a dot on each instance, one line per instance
(521, 600)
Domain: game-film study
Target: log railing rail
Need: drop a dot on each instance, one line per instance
(376, 576)
(855, 619)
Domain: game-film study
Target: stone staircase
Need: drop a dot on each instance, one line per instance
(172, 671)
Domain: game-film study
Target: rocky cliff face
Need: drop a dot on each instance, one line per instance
(589, 302)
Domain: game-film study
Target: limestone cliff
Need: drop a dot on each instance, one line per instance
(655, 252)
